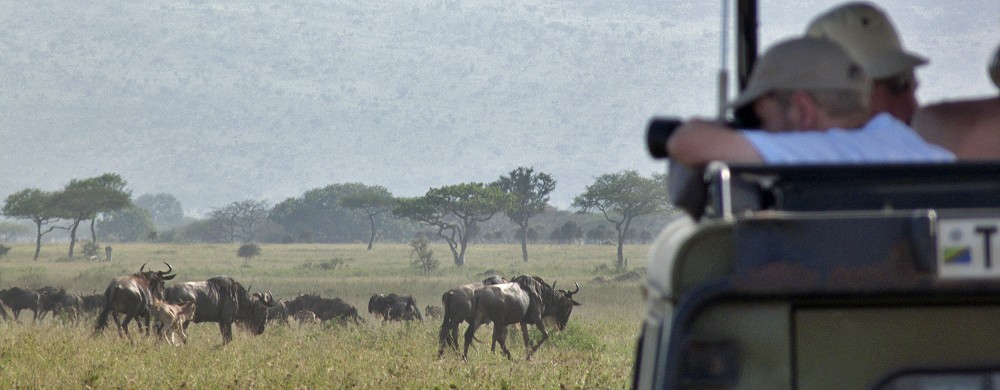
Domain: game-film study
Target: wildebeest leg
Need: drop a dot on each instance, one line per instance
(545, 336)
(146, 319)
(227, 331)
(469, 333)
(180, 329)
(118, 323)
(453, 338)
(128, 318)
(500, 335)
(444, 337)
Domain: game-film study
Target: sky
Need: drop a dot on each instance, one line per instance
(413, 94)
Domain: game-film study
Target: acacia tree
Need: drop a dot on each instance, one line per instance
(242, 219)
(371, 200)
(455, 210)
(35, 205)
(622, 197)
(85, 199)
(530, 194)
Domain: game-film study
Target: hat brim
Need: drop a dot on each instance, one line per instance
(751, 93)
(893, 63)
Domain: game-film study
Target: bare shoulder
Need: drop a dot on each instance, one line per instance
(969, 128)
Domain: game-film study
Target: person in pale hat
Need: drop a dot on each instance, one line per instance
(812, 99)
(969, 128)
(868, 35)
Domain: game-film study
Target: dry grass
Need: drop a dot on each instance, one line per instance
(595, 351)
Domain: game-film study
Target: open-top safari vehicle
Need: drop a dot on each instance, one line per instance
(825, 277)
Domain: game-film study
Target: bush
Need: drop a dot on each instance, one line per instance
(248, 251)
(3, 250)
(422, 257)
(90, 248)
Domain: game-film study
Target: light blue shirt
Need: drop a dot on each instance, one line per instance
(884, 139)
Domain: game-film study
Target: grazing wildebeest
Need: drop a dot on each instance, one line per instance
(224, 301)
(18, 299)
(457, 304)
(130, 295)
(55, 299)
(562, 306)
(171, 318)
(325, 308)
(394, 307)
(523, 301)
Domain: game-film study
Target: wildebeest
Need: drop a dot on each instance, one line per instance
(91, 303)
(325, 308)
(457, 304)
(433, 311)
(57, 299)
(523, 301)
(561, 307)
(18, 299)
(394, 307)
(130, 295)
(224, 301)
(171, 318)
(278, 312)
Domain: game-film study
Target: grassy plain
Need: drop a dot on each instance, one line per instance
(594, 352)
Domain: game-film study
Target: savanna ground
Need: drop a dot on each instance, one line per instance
(595, 351)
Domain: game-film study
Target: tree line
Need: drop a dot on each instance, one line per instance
(456, 214)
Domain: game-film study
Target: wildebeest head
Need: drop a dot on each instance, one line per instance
(494, 279)
(374, 303)
(156, 279)
(259, 303)
(562, 306)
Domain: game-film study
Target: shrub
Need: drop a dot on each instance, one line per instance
(422, 257)
(248, 251)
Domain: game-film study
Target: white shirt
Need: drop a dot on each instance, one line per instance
(884, 139)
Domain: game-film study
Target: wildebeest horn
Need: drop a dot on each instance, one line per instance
(269, 298)
(570, 294)
(554, 284)
(142, 267)
(169, 268)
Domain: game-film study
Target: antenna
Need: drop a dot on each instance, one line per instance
(723, 80)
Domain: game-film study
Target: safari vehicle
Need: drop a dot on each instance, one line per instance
(825, 277)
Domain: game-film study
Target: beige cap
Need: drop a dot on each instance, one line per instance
(803, 63)
(868, 35)
(995, 68)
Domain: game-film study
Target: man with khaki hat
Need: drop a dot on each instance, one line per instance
(812, 99)
(868, 35)
(969, 128)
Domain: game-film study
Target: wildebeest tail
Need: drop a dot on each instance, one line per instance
(444, 335)
(102, 318)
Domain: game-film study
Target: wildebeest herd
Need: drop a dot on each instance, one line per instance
(144, 297)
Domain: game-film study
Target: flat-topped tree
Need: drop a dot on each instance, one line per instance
(455, 210)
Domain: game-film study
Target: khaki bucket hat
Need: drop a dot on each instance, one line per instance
(868, 35)
(803, 63)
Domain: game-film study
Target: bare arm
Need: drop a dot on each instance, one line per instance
(698, 142)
